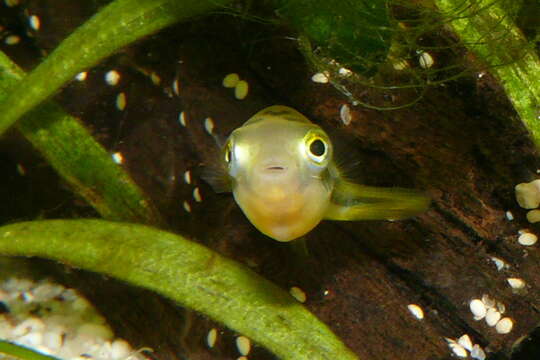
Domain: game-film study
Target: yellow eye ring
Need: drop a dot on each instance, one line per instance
(317, 148)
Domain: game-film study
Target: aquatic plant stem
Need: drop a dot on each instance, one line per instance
(489, 31)
(186, 272)
(21, 352)
(116, 25)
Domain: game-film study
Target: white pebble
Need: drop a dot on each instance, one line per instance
(81, 76)
(344, 72)
(182, 118)
(478, 353)
(121, 101)
(209, 125)
(12, 40)
(492, 317)
(416, 311)
(527, 239)
(241, 90)
(458, 350)
(197, 194)
(509, 215)
(516, 283)
(345, 114)
(528, 194)
(504, 326)
(321, 78)
(499, 263)
(243, 344)
(231, 80)
(53, 339)
(211, 338)
(425, 60)
(298, 294)
(176, 87)
(34, 22)
(533, 216)
(118, 158)
(488, 301)
(466, 342)
(187, 177)
(186, 206)
(478, 309)
(112, 77)
(120, 349)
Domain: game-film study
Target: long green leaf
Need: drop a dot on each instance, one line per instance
(116, 25)
(186, 272)
(21, 352)
(78, 158)
(487, 29)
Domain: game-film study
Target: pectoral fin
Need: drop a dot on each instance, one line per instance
(351, 202)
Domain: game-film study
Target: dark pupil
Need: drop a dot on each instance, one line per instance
(317, 148)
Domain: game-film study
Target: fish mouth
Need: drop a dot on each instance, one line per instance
(275, 168)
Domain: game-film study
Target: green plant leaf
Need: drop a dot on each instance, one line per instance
(116, 25)
(186, 272)
(488, 30)
(79, 159)
(22, 352)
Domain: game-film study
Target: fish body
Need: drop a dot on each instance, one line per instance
(283, 176)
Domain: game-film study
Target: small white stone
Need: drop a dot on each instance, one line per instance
(344, 72)
(211, 338)
(197, 194)
(533, 216)
(416, 311)
(112, 77)
(118, 158)
(499, 263)
(528, 194)
(186, 206)
(466, 342)
(120, 349)
(81, 76)
(231, 80)
(321, 78)
(182, 118)
(504, 326)
(176, 87)
(516, 283)
(492, 317)
(298, 294)
(187, 177)
(501, 307)
(509, 215)
(34, 22)
(53, 339)
(241, 90)
(12, 40)
(425, 60)
(527, 239)
(345, 114)
(121, 101)
(243, 344)
(478, 353)
(478, 309)
(458, 350)
(209, 125)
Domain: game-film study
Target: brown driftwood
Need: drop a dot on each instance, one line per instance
(461, 142)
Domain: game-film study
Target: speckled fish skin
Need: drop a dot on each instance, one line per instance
(284, 178)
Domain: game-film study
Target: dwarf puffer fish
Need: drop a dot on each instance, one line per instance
(283, 176)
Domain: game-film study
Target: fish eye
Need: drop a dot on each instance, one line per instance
(317, 149)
